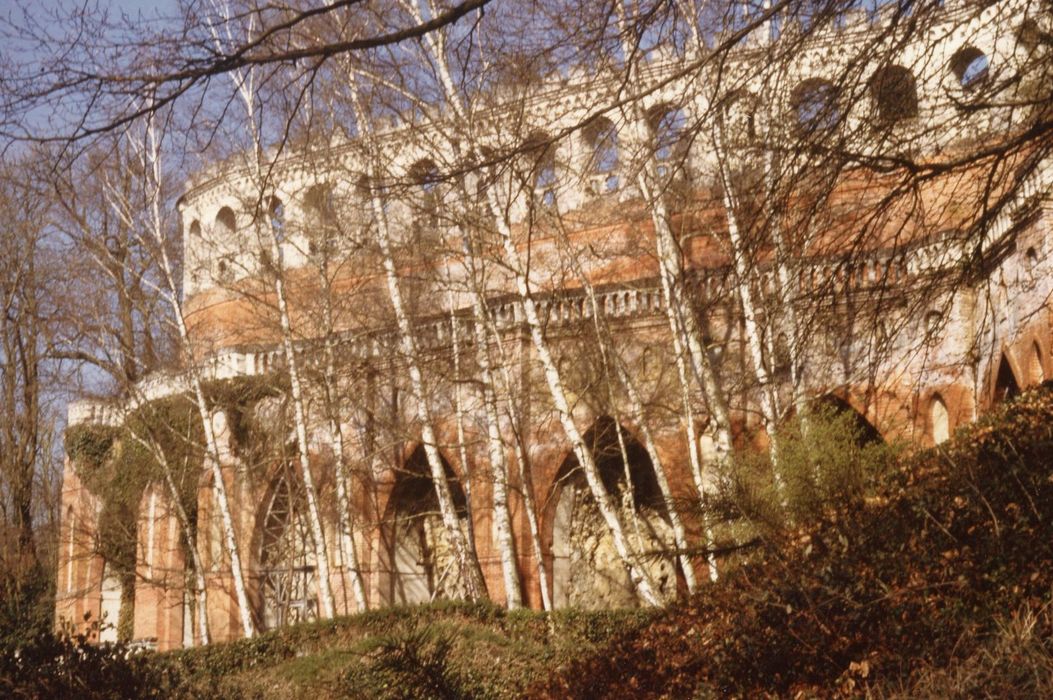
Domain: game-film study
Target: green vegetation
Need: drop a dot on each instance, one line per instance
(830, 459)
(117, 464)
(445, 649)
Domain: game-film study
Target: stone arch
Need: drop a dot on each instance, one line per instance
(319, 207)
(417, 565)
(740, 111)
(540, 159)
(933, 325)
(287, 569)
(939, 420)
(970, 67)
(895, 93)
(226, 221)
(362, 193)
(275, 213)
(1031, 260)
(424, 179)
(668, 124)
(1006, 385)
(1035, 366)
(601, 138)
(816, 105)
(586, 570)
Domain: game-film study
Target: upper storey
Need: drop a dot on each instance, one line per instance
(886, 84)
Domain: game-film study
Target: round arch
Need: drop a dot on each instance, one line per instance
(816, 105)
(894, 92)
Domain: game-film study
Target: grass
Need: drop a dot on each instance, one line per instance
(455, 649)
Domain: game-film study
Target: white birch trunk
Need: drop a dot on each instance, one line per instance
(314, 518)
(610, 356)
(436, 46)
(462, 446)
(638, 573)
(343, 481)
(498, 463)
(526, 483)
(471, 575)
(150, 154)
(680, 313)
(744, 277)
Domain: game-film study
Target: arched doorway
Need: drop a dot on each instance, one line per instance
(288, 578)
(587, 571)
(1006, 386)
(420, 565)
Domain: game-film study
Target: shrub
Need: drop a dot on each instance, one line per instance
(827, 460)
(916, 576)
(72, 666)
(408, 666)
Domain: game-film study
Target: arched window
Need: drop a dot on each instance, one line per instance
(895, 94)
(740, 118)
(939, 420)
(225, 269)
(319, 206)
(276, 218)
(195, 230)
(816, 106)
(1031, 259)
(933, 326)
(669, 130)
(424, 180)
(602, 139)
(226, 221)
(782, 361)
(540, 154)
(970, 67)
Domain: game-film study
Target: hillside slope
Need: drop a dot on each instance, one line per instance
(910, 592)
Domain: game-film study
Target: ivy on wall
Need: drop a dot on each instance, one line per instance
(116, 465)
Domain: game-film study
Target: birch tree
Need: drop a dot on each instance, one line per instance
(268, 230)
(468, 564)
(155, 228)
